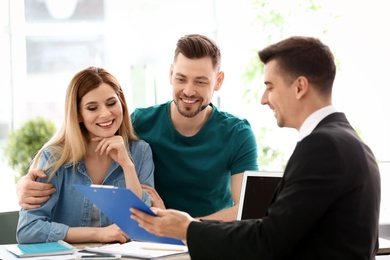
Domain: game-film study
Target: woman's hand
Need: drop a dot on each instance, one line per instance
(113, 146)
(107, 234)
(112, 233)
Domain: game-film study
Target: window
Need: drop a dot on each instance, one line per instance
(135, 41)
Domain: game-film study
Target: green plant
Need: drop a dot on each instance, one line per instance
(23, 143)
(267, 154)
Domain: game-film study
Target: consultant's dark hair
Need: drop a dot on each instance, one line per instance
(196, 46)
(303, 56)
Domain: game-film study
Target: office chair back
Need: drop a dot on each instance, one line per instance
(8, 225)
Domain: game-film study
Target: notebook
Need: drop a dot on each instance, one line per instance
(41, 249)
(257, 190)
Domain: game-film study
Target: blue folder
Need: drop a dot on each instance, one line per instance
(115, 203)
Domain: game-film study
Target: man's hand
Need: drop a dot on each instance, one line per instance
(157, 201)
(168, 223)
(32, 194)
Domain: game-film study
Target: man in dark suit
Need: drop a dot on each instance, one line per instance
(327, 205)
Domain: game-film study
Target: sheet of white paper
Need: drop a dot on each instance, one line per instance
(141, 249)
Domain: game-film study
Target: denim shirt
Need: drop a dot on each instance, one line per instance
(68, 207)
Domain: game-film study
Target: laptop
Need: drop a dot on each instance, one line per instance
(257, 190)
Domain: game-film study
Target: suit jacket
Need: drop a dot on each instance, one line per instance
(326, 206)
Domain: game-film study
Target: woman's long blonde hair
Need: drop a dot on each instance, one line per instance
(69, 144)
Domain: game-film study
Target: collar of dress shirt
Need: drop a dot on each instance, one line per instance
(312, 121)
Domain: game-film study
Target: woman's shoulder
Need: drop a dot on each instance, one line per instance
(140, 151)
(51, 153)
(138, 145)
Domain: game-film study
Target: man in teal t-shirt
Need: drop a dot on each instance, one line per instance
(193, 173)
(200, 153)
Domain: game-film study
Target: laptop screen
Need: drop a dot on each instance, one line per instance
(257, 190)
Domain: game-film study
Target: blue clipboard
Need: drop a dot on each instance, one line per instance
(115, 203)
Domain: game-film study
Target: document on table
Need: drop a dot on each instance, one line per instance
(146, 250)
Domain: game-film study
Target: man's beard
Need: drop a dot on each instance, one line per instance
(183, 113)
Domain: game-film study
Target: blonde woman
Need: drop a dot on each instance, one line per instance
(95, 145)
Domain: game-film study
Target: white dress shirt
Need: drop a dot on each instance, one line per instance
(314, 119)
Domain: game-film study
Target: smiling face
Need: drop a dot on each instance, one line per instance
(279, 95)
(101, 111)
(193, 84)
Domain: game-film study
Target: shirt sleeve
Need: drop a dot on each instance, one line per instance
(244, 147)
(34, 225)
(145, 168)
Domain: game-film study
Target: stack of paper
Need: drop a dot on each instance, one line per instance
(146, 250)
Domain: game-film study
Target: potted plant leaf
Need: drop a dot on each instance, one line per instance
(24, 142)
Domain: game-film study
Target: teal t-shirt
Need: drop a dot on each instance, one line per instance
(193, 174)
